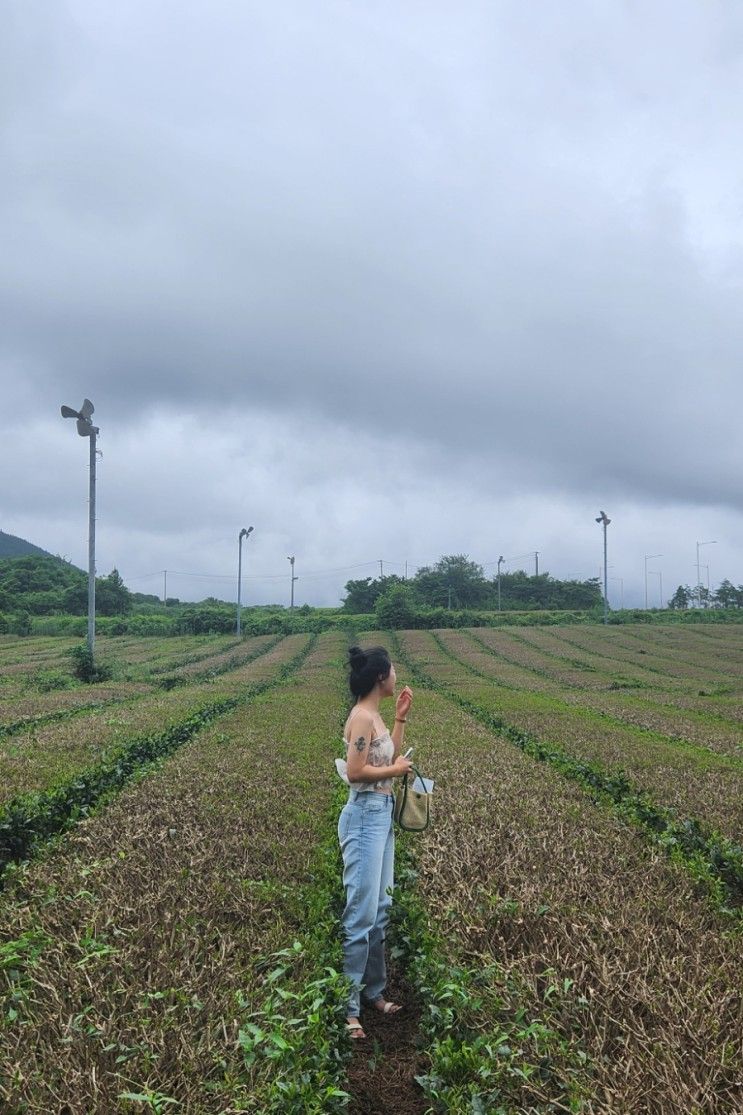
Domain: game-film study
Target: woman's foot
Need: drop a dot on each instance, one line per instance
(354, 1029)
(384, 1006)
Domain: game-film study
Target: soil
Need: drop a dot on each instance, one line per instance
(381, 1076)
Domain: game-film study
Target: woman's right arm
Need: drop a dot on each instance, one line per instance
(358, 767)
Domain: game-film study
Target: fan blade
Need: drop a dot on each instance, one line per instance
(68, 412)
(86, 409)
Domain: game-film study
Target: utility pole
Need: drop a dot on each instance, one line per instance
(699, 575)
(706, 573)
(500, 560)
(381, 568)
(291, 559)
(85, 428)
(243, 534)
(621, 590)
(648, 557)
(657, 573)
(536, 563)
(604, 519)
(165, 587)
(91, 542)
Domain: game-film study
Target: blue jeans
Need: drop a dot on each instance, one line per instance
(368, 847)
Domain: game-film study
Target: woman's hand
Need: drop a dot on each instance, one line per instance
(401, 767)
(404, 701)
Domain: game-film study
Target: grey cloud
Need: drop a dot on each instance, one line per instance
(513, 243)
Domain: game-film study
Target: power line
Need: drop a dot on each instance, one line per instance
(312, 574)
(251, 576)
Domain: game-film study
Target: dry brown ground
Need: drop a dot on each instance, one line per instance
(521, 868)
(695, 783)
(154, 917)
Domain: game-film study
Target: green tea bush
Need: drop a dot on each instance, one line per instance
(85, 667)
(47, 681)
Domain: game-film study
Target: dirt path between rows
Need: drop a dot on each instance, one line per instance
(381, 1076)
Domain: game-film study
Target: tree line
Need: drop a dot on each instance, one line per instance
(726, 595)
(48, 586)
(455, 582)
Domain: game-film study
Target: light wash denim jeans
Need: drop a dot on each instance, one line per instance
(368, 846)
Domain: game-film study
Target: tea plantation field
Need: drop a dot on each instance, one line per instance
(568, 934)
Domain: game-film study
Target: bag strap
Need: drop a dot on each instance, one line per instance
(417, 774)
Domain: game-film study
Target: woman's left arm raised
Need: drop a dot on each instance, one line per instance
(402, 708)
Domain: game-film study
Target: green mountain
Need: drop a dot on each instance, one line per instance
(42, 585)
(13, 547)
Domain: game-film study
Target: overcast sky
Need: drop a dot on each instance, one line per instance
(385, 280)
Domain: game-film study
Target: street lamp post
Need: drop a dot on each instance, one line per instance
(85, 428)
(243, 534)
(500, 560)
(701, 585)
(699, 576)
(648, 557)
(604, 519)
(291, 559)
(657, 573)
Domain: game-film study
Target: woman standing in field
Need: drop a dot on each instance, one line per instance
(365, 827)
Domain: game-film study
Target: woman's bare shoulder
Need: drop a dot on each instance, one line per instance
(359, 720)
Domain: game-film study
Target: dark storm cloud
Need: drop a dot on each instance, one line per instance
(513, 240)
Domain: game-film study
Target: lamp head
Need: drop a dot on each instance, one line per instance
(85, 427)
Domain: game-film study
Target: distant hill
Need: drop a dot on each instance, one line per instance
(33, 580)
(13, 547)
(47, 586)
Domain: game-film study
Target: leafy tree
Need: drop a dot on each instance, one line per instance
(681, 598)
(362, 595)
(38, 584)
(396, 607)
(112, 597)
(454, 580)
(521, 591)
(75, 599)
(21, 624)
(36, 574)
(728, 596)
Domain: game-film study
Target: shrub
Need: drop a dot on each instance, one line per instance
(85, 667)
(20, 624)
(46, 681)
(395, 608)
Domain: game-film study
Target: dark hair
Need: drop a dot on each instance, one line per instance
(367, 667)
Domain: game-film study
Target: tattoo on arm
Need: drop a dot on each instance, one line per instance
(360, 744)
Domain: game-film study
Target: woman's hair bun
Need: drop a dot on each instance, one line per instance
(367, 668)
